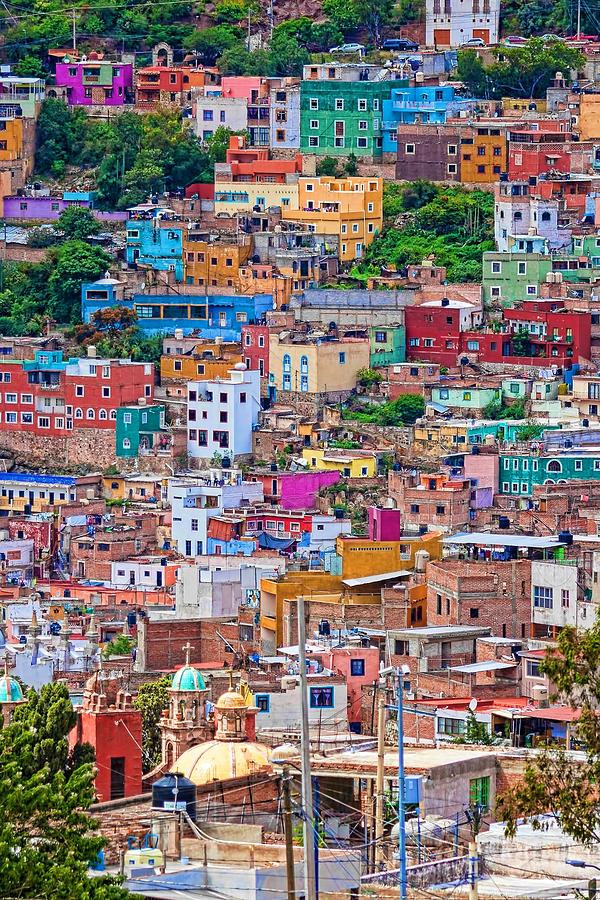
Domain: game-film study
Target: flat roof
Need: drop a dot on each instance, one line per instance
(440, 630)
(490, 665)
(374, 579)
(504, 540)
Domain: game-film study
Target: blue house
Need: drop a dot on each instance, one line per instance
(157, 243)
(211, 316)
(423, 104)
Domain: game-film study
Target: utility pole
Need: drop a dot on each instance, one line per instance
(474, 815)
(379, 783)
(289, 837)
(401, 782)
(307, 798)
(578, 19)
(74, 29)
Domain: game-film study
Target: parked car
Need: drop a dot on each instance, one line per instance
(348, 48)
(514, 40)
(553, 37)
(399, 44)
(474, 42)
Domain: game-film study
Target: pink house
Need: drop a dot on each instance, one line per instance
(245, 87)
(294, 490)
(360, 667)
(384, 524)
(94, 82)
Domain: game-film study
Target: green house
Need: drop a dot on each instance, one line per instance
(387, 345)
(139, 429)
(509, 278)
(519, 472)
(472, 398)
(341, 107)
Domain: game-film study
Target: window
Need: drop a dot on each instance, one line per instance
(474, 612)
(543, 597)
(409, 149)
(479, 792)
(314, 123)
(106, 392)
(11, 418)
(452, 169)
(10, 398)
(565, 598)
(79, 390)
(43, 422)
(339, 103)
(342, 358)
(321, 698)
(263, 702)
(533, 668)
(450, 726)
(313, 141)
(26, 398)
(357, 668)
(496, 268)
(362, 142)
(363, 125)
(313, 103)
(91, 414)
(362, 105)
(451, 149)
(27, 418)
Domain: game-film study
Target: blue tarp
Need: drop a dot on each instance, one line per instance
(266, 542)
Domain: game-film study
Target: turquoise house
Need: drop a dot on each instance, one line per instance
(472, 398)
(156, 243)
(519, 472)
(387, 345)
(140, 428)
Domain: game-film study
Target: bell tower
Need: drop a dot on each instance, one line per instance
(184, 723)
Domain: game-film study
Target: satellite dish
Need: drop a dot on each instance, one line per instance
(473, 704)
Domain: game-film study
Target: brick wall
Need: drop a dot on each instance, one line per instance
(82, 446)
(160, 643)
(493, 594)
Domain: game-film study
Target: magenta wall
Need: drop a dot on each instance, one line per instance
(299, 489)
(384, 524)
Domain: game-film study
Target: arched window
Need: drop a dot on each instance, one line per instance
(91, 413)
(545, 217)
(113, 414)
(518, 216)
(287, 363)
(102, 414)
(304, 365)
(554, 466)
(78, 413)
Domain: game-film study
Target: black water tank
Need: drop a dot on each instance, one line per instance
(273, 467)
(339, 513)
(585, 423)
(422, 529)
(474, 450)
(226, 463)
(173, 788)
(565, 537)
(396, 467)
(503, 522)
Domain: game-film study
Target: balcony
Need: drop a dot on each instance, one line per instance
(50, 386)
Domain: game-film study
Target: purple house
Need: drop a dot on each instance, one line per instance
(95, 82)
(48, 209)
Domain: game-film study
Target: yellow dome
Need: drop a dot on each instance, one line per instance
(231, 700)
(220, 760)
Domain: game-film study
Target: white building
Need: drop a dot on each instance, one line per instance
(215, 111)
(205, 592)
(194, 499)
(279, 708)
(556, 599)
(519, 215)
(16, 560)
(222, 414)
(449, 24)
(146, 574)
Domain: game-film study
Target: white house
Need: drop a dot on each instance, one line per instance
(450, 24)
(194, 499)
(215, 111)
(555, 597)
(222, 414)
(279, 707)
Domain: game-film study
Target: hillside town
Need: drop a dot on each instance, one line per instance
(299, 450)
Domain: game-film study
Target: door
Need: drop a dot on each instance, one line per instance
(441, 37)
(159, 579)
(483, 33)
(117, 777)
(446, 654)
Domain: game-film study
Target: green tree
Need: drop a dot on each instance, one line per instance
(475, 732)
(368, 377)
(554, 782)
(152, 699)
(328, 166)
(211, 43)
(344, 14)
(351, 166)
(59, 134)
(30, 66)
(78, 223)
(521, 342)
(230, 12)
(75, 263)
(47, 838)
(121, 645)
(375, 15)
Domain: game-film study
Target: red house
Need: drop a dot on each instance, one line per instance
(254, 164)
(51, 396)
(433, 329)
(537, 152)
(255, 347)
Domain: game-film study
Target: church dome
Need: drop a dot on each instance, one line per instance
(219, 760)
(10, 690)
(188, 679)
(231, 700)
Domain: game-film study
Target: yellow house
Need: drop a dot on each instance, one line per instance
(133, 487)
(349, 463)
(311, 365)
(214, 263)
(233, 197)
(205, 362)
(351, 208)
(362, 557)
(437, 436)
(589, 116)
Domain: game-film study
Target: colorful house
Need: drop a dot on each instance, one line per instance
(157, 243)
(141, 429)
(350, 208)
(95, 82)
(341, 108)
(520, 472)
(422, 104)
(348, 463)
(309, 364)
(388, 345)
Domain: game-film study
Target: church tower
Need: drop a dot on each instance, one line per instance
(184, 723)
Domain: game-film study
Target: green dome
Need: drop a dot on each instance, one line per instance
(188, 679)
(10, 690)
